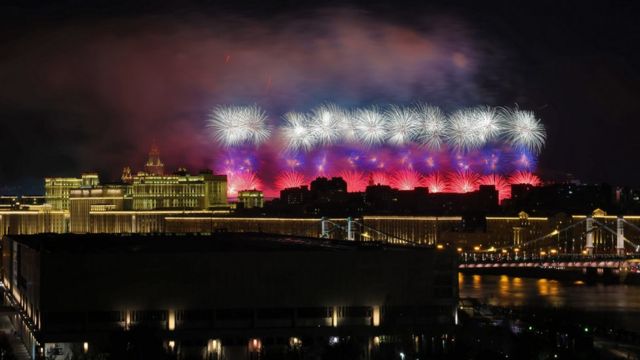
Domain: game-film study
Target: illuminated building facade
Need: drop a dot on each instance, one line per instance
(342, 288)
(33, 221)
(251, 199)
(90, 206)
(58, 189)
(84, 200)
(140, 221)
(179, 191)
(424, 230)
(516, 230)
(604, 240)
(154, 166)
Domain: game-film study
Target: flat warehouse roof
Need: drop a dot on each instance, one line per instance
(185, 243)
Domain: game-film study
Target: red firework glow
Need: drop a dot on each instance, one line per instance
(242, 181)
(463, 181)
(290, 179)
(500, 183)
(406, 180)
(379, 178)
(356, 181)
(524, 177)
(436, 183)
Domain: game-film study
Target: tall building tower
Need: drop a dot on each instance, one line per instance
(154, 166)
(126, 177)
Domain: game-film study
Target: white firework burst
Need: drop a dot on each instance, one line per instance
(486, 123)
(370, 126)
(402, 125)
(347, 126)
(462, 135)
(432, 126)
(236, 125)
(522, 130)
(297, 133)
(470, 129)
(327, 122)
(256, 121)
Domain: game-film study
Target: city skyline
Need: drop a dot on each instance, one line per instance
(99, 104)
(357, 179)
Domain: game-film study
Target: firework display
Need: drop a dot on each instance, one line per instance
(236, 125)
(401, 146)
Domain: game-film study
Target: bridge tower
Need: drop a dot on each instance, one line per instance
(620, 236)
(324, 232)
(350, 229)
(590, 229)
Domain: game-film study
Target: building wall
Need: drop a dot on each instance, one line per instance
(19, 222)
(516, 230)
(309, 227)
(151, 192)
(197, 291)
(82, 201)
(420, 229)
(251, 199)
(153, 221)
(21, 274)
(57, 191)
(215, 190)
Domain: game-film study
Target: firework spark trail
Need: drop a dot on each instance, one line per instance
(356, 180)
(485, 123)
(463, 181)
(406, 179)
(235, 125)
(463, 131)
(242, 181)
(326, 124)
(524, 177)
(432, 126)
(297, 133)
(501, 184)
(463, 134)
(370, 126)
(347, 126)
(290, 179)
(402, 125)
(379, 178)
(392, 147)
(523, 130)
(436, 183)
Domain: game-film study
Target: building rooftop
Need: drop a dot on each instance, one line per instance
(186, 243)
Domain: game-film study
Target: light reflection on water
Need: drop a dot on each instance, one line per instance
(623, 301)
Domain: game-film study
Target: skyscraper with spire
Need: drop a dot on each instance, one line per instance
(154, 166)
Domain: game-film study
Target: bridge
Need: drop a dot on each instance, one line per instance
(587, 235)
(630, 263)
(547, 251)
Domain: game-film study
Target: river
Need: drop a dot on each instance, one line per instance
(609, 305)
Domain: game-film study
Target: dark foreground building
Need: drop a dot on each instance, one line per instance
(225, 296)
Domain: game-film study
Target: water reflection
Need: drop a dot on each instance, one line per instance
(507, 291)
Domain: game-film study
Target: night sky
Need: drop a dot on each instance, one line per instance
(89, 88)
